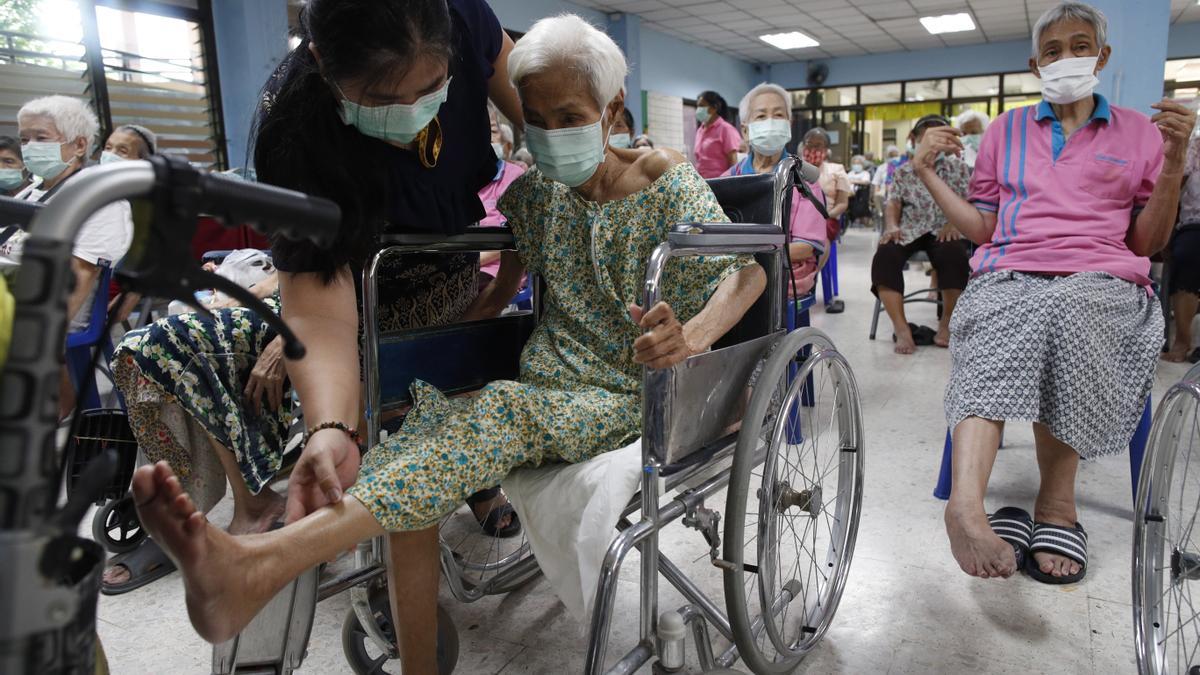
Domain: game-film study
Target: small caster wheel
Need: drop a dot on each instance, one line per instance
(116, 526)
(366, 658)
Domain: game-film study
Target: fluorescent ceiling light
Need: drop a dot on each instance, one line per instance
(948, 23)
(792, 40)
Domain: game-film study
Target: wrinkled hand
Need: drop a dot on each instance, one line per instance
(267, 378)
(891, 235)
(1175, 122)
(328, 465)
(949, 233)
(663, 344)
(936, 141)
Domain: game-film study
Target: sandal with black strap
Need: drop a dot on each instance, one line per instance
(146, 564)
(491, 522)
(1058, 540)
(1014, 526)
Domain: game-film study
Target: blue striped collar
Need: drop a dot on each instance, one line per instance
(1102, 111)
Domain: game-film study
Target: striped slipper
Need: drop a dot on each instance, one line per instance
(1059, 540)
(1015, 526)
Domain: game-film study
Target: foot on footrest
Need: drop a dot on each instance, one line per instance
(277, 639)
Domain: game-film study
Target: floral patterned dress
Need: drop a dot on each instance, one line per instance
(579, 392)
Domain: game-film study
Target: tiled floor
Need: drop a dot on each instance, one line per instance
(906, 609)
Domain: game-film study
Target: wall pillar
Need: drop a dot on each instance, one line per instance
(1137, 33)
(626, 31)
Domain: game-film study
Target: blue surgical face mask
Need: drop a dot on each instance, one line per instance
(398, 123)
(11, 178)
(856, 167)
(767, 137)
(619, 140)
(44, 159)
(569, 156)
(107, 157)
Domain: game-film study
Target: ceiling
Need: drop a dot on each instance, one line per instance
(843, 27)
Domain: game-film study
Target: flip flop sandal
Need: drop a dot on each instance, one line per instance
(922, 335)
(1065, 541)
(491, 521)
(146, 563)
(835, 307)
(1014, 526)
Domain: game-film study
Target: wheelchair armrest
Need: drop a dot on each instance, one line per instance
(472, 240)
(725, 236)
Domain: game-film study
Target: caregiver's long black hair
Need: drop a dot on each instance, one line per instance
(300, 141)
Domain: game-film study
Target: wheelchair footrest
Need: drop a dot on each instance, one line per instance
(276, 641)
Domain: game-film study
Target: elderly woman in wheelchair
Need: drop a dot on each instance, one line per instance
(586, 221)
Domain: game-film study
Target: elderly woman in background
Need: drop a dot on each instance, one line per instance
(622, 133)
(586, 219)
(767, 126)
(1059, 325)
(972, 124)
(836, 186)
(129, 141)
(13, 176)
(643, 141)
(717, 141)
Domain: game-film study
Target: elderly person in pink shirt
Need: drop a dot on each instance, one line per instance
(767, 126)
(1058, 325)
(506, 173)
(717, 141)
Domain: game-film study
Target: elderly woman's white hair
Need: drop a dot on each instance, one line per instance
(765, 88)
(968, 115)
(567, 40)
(1071, 11)
(71, 116)
(506, 133)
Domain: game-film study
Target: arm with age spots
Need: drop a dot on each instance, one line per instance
(666, 342)
(1151, 229)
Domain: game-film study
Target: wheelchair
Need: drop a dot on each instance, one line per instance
(770, 418)
(1166, 549)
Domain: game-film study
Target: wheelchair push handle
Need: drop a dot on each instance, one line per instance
(17, 212)
(270, 209)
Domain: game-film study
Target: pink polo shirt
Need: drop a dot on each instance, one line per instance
(1065, 205)
(490, 195)
(806, 226)
(713, 144)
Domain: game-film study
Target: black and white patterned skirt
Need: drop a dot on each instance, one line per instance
(1076, 353)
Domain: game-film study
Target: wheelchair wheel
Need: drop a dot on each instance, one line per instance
(477, 564)
(794, 501)
(366, 658)
(116, 527)
(1166, 545)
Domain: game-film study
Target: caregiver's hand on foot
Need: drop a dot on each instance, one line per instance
(327, 466)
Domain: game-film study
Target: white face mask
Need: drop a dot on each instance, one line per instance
(618, 140)
(1069, 80)
(498, 148)
(767, 137)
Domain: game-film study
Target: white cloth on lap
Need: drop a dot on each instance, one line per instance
(570, 514)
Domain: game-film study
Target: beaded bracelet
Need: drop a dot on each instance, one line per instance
(349, 431)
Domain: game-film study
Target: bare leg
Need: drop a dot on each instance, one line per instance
(933, 283)
(893, 303)
(1055, 504)
(976, 547)
(252, 513)
(949, 300)
(228, 579)
(1183, 305)
(413, 577)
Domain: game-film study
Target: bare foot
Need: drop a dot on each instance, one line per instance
(264, 510)
(904, 342)
(223, 580)
(1050, 563)
(979, 552)
(1177, 354)
(942, 338)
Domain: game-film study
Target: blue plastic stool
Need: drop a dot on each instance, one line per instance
(798, 317)
(81, 343)
(1137, 448)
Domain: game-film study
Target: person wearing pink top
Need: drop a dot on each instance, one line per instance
(490, 194)
(1058, 324)
(767, 125)
(717, 141)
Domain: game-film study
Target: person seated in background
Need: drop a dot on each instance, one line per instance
(869, 162)
(13, 176)
(860, 173)
(1184, 282)
(490, 194)
(580, 389)
(129, 141)
(859, 210)
(881, 180)
(836, 186)
(716, 143)
(913, 222)
(767, 124)
(622, 133)
(522, 158)
(971, 124)
(643, 141)
(1068, 200)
